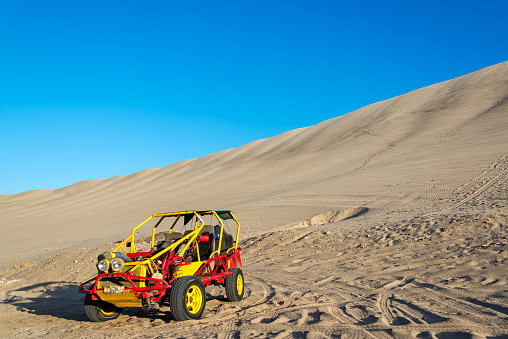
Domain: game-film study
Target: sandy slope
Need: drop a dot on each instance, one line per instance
(406, 152)
(429, 277)
(426, 258)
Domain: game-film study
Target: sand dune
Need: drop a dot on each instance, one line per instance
(387, 221)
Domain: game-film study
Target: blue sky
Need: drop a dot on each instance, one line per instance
(94, 89)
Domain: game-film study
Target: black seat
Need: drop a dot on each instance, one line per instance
(206, 248)
(227, 242)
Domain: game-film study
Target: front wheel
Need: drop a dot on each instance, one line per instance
(99, 311)
(187, 299)
(234, 284)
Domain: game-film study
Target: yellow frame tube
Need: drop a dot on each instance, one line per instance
(191, 236)
(131, 238)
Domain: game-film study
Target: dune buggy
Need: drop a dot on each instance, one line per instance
(196, 249)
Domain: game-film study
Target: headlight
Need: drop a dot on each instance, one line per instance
(116, 264)
(103, 265)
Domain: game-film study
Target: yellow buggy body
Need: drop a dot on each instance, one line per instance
(186, 251)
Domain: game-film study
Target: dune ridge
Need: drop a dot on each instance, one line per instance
(384, 156)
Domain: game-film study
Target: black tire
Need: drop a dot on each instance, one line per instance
(99, 311)
(187, 298)
(234, 284)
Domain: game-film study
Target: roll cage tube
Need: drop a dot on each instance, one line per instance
(131, 238)
(221, 216)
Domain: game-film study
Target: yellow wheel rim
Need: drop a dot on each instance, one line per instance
(103, 309)
(107, 314)
(239, 284)
(193, 299)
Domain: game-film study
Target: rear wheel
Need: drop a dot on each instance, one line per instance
(234, 284)
(187, 299)
(99, 311)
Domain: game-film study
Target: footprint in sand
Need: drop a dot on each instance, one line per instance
(309, 318)
(274, 320)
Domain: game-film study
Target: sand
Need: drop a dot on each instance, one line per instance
(389, 221)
